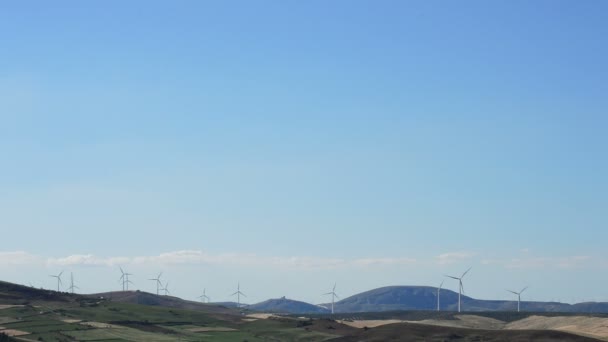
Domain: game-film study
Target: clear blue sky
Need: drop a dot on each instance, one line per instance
(291, 144)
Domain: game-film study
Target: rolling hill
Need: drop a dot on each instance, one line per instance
(392, 298)
(284, 305)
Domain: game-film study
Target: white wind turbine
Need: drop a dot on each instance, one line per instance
(333, 297)
(460, 286)
(438, 292)
(518, 296)
(204, 297)
(72, 286)
(166, 289)
(238, 294)
(158, 283)
(59, 282)
(124, 278)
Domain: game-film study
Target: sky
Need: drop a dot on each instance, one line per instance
(291, 145)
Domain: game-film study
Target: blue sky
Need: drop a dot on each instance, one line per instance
(368, 143)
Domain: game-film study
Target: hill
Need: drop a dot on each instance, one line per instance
(393, 298)
(20, 294)
(284, 305)
(145, 298)
(423, 332)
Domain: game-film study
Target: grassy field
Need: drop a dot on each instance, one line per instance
(59, 317)
(110, 321)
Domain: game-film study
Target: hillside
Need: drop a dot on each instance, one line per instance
(30, 314)
(393, 298)
(284, 305)
(145, 298)
(423, 332)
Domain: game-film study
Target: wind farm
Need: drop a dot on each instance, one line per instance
(445, 162)
(378, 318)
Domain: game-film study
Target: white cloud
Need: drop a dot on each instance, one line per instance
(87, 260)
(384, 261)
(567, 262)
(543, 262)
(451, 258)
(17, 258)
(201, 257)
(196, 257)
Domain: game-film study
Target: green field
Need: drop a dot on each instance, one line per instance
(115, 321)
(130, 316)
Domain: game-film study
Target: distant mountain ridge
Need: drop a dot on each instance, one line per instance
(289, 306)
(393, 298)
(389, 298)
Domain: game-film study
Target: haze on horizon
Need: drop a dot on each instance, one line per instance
(290, 145)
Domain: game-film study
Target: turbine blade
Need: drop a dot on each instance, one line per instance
(452, 277)
(234, 294)
(467, 271)
(522, 290)
(242, 294)
(513, 292)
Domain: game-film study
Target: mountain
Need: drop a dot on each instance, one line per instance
(145, 298)
(284, 305)
(392, 298)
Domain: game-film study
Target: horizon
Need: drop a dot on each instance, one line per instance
(296, 145)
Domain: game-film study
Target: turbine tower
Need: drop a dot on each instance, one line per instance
(438, 292)
(59, 282)
(333, 297)
(125, 279)
(158, 283)
(122, 278)
(72, 286)
(518, 296)
(238, 294)
(460, 286)
(204, 297)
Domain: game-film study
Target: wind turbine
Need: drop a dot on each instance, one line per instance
(166, 289)
(518, 296)
(72, 286)
(438, 292)
(158, 283)
(122, 278)
(238, 294)
(333, 297)
(460, 287)
(125, 279)
(59, 282)
(204, 297)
